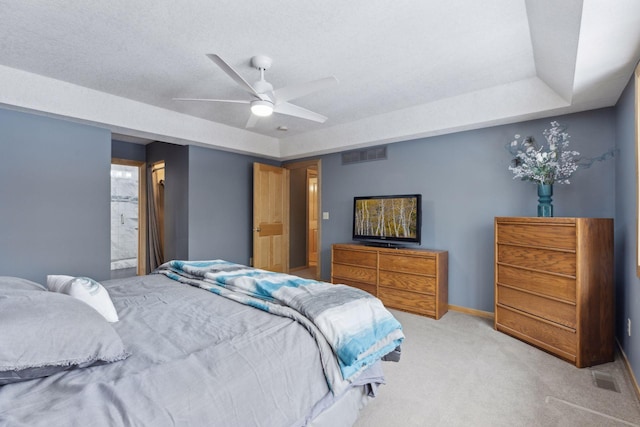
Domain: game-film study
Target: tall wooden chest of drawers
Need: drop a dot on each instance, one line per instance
(413, 280)
(554, 285)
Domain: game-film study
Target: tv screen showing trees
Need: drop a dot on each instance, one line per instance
(387, 218)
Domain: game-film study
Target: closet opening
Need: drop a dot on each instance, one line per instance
(156, 215)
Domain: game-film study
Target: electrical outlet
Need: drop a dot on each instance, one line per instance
(629, 327)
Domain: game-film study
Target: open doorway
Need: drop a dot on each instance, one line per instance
(312, 218)
(304, 231)
(127, 218)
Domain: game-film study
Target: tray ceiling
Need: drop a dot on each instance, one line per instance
(406, 70)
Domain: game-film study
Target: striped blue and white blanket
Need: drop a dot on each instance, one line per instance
(355, 324)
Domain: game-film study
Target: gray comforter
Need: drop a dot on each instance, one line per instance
(197, 359)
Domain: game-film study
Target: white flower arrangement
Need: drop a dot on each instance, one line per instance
(552, 164)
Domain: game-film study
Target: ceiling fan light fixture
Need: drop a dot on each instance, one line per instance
(262, 108)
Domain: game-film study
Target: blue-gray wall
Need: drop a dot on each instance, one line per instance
(176, 196)
(128, 151)
(208, 202)
(627, 283)
(220, 204)
(465, 183)
(55, 192)
(55, 187)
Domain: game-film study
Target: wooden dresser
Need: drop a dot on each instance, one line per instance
(554, 285)
(413, 280)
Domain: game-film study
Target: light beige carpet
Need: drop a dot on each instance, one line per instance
(459, 371)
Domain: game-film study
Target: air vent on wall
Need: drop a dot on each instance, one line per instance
(364, 155)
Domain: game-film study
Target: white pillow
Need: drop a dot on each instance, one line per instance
(86, 290)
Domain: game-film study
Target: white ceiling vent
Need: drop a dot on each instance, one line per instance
(364, 155)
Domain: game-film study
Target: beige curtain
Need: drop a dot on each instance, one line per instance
(155, 253)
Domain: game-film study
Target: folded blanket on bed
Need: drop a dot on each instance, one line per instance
(359, 329)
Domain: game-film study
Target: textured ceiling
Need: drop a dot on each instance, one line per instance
(406, 69)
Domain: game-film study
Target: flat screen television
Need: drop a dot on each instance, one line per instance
(392, 220)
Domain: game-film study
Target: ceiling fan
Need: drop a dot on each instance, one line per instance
(264, 99)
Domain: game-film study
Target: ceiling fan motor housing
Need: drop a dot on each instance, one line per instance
(261, 62)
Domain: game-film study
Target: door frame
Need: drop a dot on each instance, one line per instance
(311, 173)
(306, 164)
(142, 210)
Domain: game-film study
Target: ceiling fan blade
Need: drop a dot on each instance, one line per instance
(235, 101)
(233, 74)
(296, 91)
(303, 113)
(253, 119)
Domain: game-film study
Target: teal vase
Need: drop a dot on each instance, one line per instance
(545, 208)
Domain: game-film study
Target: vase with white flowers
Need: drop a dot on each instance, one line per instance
(547, 164)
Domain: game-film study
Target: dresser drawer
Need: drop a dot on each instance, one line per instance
(410, 301)
(408, 264)
(547, 284)
(547, 235)
(538, 259)
(557, 340)
(555, 311)
(357, 274)
(409, 282)
(413, 280)
(367, 287)
(350, 256)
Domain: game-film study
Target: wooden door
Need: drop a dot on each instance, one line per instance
(270, 217)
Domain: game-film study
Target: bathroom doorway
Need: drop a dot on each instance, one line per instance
(127, 218)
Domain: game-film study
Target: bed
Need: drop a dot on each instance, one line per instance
(206, 343)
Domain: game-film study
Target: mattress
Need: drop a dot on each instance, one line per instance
(196, 359)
